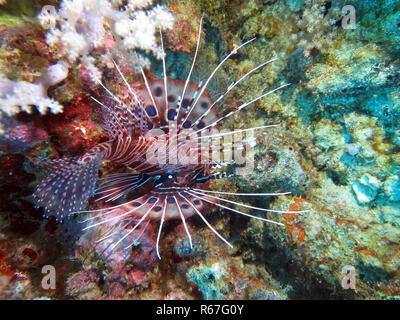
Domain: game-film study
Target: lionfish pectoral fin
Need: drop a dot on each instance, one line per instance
(68, 187)
(115, 186)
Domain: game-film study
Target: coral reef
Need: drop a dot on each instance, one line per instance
(336, 149)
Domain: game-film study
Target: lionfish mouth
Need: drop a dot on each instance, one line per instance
(173, 189)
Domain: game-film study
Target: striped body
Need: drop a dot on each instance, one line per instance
(167, 157)
(167, 153)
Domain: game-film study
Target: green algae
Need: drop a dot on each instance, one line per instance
(12, 13)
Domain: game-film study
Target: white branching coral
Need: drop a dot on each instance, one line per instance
(317, 27)
(18, 96)
(79, 26)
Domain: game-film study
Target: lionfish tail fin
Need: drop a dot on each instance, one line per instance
(68, 187)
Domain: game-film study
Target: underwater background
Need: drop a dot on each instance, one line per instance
(337, 149)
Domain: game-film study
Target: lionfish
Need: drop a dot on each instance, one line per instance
(173, 166)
